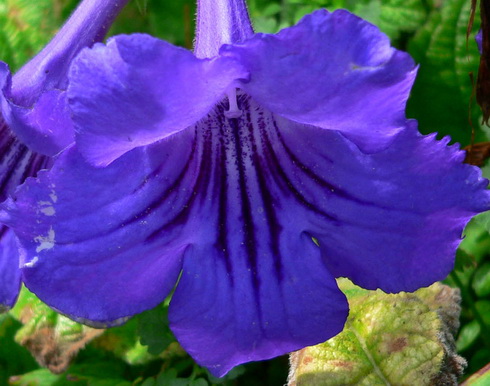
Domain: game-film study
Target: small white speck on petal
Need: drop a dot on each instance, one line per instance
(31, 263)
(53, 196)
(48, 211)
(45, 242)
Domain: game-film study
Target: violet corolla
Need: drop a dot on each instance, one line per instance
(217, 170)
(35, 121)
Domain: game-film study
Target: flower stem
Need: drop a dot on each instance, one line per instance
(87, 25)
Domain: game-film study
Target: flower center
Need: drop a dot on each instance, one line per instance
(233, 110)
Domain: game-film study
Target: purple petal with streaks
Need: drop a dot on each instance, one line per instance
(33, 103)
(332, 70)
(17, 163)
(173, 90)
(10, 278)
(235, 204)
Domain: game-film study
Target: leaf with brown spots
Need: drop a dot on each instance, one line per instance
(52, 339)
(402, 339)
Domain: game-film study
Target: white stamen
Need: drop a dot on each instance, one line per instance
(233, 110)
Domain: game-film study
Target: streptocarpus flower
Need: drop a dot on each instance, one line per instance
(222, 168)
(35, 120)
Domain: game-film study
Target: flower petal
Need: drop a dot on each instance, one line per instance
(332, 70)
(92, 247)
(253, 285)
(17, 162)
(9, 269)
(239, 200)
(33, 103)
(45, 127)
(228, 309)
(390, 220)
(137, 90)
(87, 232)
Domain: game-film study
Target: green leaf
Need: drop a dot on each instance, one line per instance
(265, 24)
(27, 26)
(393, 17)
(199, 382)
(302, 11)
(480, 378)
(154, 331)
(371, 11)
(442, 92)
(41, 377)
(14, 359)
(475, 245)
(51, 338)
(233, 374)
(401, 339)
(464, 260)
(107, 373)
(169, 378)
(483, 308)
(172, 21)
(122, 341)
(481, 280)
(483, 219)
(478, 360)
(468, 335)
(271, 10)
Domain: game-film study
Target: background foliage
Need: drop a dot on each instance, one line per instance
(144, 351)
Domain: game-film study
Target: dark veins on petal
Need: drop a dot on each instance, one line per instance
(240, 170)
(17, 162)
(242, 173)
(243, 197)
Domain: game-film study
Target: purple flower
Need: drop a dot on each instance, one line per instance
(217, 172)
(35, 121)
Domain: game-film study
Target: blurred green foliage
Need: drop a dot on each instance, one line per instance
(143, 351)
